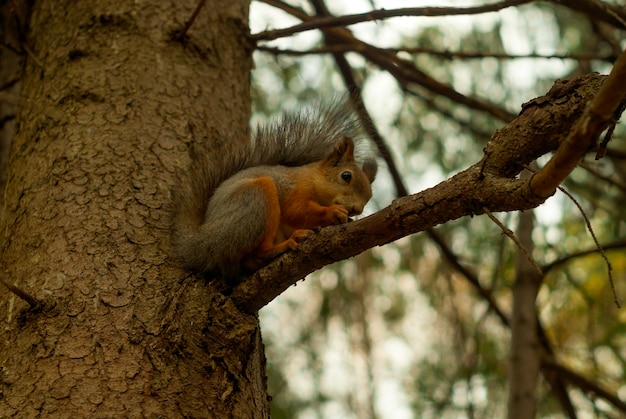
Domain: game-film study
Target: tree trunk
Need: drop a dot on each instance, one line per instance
(525, 348)
(11, 64)
(110, 105)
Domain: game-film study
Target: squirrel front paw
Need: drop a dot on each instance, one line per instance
(337, 215)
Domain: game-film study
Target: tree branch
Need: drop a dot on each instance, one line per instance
(618, 244)
(405, 71)
(489, 184)
(32, 301)
(346, 20)
(585, 385)
(467, 193)
(597, 10)
(453, 260)
(597, 117)
(445, 54)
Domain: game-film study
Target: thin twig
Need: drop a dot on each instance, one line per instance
(445, 54)
(453, 260)
(403, 70)
(609, 133)
(618, 244)
(598, 245)
(32, 301)
(32, 55)
(343, 21)
(183, 32)
(595, 239)
(585, 385)
(511, 235)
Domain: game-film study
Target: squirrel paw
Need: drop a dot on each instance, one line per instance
(337, 214)
(299, 236)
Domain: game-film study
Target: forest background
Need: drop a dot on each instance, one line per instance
(402, 331)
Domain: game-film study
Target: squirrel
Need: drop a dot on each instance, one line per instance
(237, 209)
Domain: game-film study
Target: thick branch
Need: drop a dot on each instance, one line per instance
(597, 117)
(467, 193)
(489, 184)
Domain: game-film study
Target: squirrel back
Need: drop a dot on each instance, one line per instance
(252, 201)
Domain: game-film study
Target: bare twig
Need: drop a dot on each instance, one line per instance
(404, 71)
(512, 236)
(342, 21)
(183, 32)
(619, 244)
(453, 260)
(448, 55)
(608, 136)
(32, 55)
(584, 384)
(289, 9)
(598, 10)
(32, 301)
(598, 245)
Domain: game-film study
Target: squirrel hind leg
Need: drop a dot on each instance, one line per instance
(266, 248)
(265, 253)
(272, 243)
(300, 235)
(233, 231)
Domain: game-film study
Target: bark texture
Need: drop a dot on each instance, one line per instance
(11, 30)
(110, 105)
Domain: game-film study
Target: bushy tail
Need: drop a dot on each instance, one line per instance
(191, 195)
(295, 139)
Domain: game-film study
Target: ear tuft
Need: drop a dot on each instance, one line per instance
(343, 152)
(370, 167)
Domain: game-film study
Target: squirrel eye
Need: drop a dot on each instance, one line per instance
(346, 176)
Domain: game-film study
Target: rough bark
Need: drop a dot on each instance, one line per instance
(12, 24)
(110, 105)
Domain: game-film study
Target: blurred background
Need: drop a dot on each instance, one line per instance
(420, 327)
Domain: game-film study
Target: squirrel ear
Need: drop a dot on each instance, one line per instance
(370, 167)
(343, 151)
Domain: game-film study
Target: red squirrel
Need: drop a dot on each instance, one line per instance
(236, 209)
